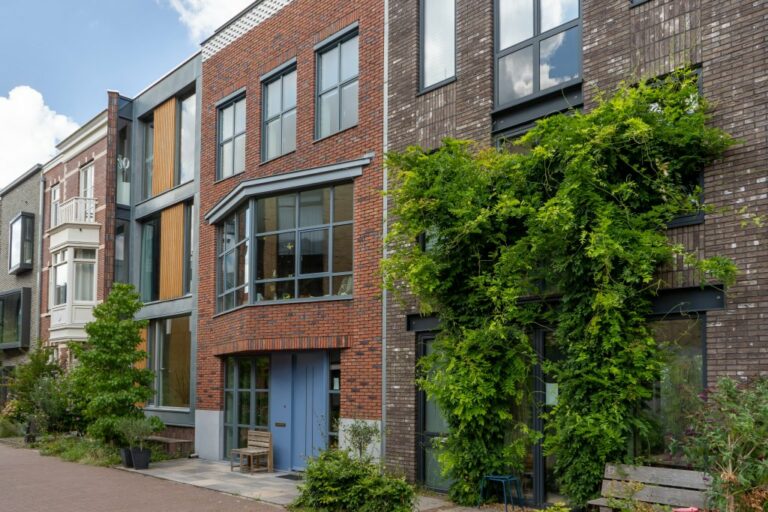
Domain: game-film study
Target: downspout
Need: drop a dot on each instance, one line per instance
(385, 295)
(39, 256)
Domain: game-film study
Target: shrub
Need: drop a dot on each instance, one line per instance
(728, 440)
(336, 482)
(54, 407)
(26, 377)
(80, 449)
(9, 428)
(108, 382)
(135, 431)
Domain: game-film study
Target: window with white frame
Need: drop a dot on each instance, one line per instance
(59, 278)
(538, 48)
(55, 201)
(279, 115)
(87, 192)
(75, 265)
(337, 86)
(231, 135)
(85, 274)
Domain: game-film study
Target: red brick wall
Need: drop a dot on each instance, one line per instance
(293, 32)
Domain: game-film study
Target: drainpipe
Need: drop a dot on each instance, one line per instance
(384, 296)
(39, 256)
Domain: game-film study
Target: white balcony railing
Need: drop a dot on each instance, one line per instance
(78, 210)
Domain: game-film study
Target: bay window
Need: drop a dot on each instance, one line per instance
(75, 265)
(85, 274)
(60, 278)
(21, 243)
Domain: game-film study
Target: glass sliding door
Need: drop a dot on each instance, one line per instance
(246, 399)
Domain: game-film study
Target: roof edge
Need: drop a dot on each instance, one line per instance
(21, 179)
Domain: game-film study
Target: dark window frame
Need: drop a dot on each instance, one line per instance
(154, 293)
(179, 117)
(117, 274)
(222, 253)
(265, 120)
(422, 88)
(220, 108)
(147, 157)
(189, 247)
(534, 42)
(27, 243)
(635, 3)
(232, 427)
(24, 318)
(340, 85)
(155, 361)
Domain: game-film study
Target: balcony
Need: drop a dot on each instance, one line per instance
(78, 210)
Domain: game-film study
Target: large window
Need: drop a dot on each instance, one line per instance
(337, 84)
(170, 352)
(438, 42)
(59, 278)
(538, 48)
(188, 110)
(302, 248)
(150, 256)
(21, 243)
(231, 138)
(85, 275)
(122, 250)
(279, 118)
(149, 159)
(246, 399)
(10, 318)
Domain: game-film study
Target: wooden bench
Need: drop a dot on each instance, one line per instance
(173, 446)
(657, 486)
(259, 446)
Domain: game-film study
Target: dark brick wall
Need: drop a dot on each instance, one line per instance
(293, 32)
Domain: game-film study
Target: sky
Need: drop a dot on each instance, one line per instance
(58, 59)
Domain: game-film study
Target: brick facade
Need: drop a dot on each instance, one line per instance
(620, 43)
(292, 32)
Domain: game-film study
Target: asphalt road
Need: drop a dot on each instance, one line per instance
(30, 482)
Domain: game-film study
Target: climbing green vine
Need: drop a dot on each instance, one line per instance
(570, 232)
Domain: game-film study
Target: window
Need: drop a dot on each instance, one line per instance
(232, 138)
(60, 277)
(149, 280)
(170, 358)
(302, 247)
(55, 201)
(189, 246)
(438, 42)
(334, 398)
(233, 260)
(85, 275)
(188, 111)
(122, 250)
(10, 318)
(279, 116)
(538, 48)
(246, 399)
(21, 243)
(149, 159)
(123, 170)
(683, 377)
(337, 82)
(86, 182)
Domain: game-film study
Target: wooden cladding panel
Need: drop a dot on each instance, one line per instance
(143, 346)
(172, 252)
(164, 168)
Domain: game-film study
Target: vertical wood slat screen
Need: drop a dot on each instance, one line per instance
(172, 252)
(143, 346)
(164, 168)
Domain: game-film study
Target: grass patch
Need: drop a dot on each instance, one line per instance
(82, 450)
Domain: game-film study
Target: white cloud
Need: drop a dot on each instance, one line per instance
(202, 17)
(29, 132)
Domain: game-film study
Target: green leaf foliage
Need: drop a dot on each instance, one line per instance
(25, 378)
(107, 378)
(579, 216)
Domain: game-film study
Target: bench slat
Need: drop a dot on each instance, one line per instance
(665, 477)
(654, 494)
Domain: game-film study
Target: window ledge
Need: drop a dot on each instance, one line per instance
(635, 3)
(20, 269)
(687, 220)
(336, 133)
(439, 85)
(266, 303)
(159, 408)
(274, 158)
(164, 192)
(221, 180)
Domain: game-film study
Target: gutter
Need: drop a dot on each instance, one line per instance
(385, 188)
(39, 256)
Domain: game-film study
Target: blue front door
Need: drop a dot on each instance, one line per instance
(309, 428)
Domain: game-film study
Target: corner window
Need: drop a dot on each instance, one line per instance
(438, 42)
(538, 48)
(59, 278)
(170, 351)
(149, 159)
(233, 260)
(231, 153)
(337, 86)
(85, 275)
(187, 113)
(279, 116)
(21, 243)
(149, 277)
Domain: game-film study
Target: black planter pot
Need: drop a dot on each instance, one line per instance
(125, 454)
(141, 457)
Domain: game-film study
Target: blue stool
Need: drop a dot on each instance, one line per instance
(504, 480)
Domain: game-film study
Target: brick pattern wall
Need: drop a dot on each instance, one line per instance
(461, 109)
(293, 32)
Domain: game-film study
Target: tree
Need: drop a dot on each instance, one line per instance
(569, 233)
(108, 379)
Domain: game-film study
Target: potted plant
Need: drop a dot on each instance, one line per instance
(136, 431)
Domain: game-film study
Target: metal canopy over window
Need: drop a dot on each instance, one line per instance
(538, 48)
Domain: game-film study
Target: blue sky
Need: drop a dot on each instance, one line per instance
(58, 58)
